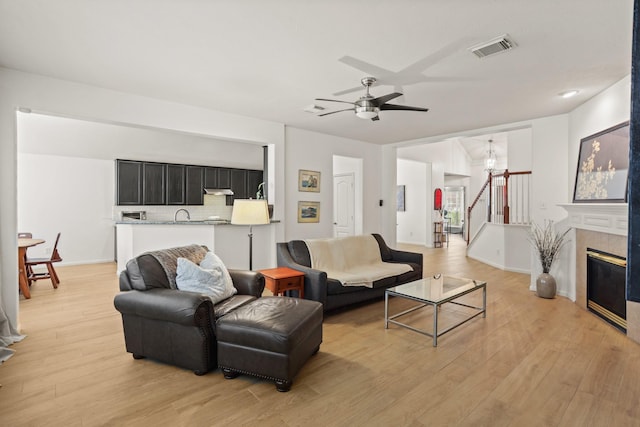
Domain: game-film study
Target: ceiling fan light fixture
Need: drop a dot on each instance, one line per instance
(367, 113)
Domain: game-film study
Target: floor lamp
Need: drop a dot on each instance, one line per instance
(250, 212)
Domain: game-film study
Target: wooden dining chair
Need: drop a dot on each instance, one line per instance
(48, 262)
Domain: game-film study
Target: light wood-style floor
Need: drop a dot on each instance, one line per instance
(531, 362)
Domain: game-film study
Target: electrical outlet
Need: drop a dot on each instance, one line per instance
(497, 251)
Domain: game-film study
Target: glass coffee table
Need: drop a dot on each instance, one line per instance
(435, 291)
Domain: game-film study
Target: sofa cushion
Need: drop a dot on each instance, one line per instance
(409, 276)
(193, 278)
(299, 252)
(334, 287)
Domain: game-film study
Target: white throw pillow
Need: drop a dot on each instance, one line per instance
(191, 277)
(212, 261)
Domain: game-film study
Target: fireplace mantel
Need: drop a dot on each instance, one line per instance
(609, 218)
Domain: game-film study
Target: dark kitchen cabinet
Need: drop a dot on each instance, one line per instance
(154, 183)
(254, 179)
(151, 183)
(129, 182)
(176, 185)
(239, 183)
(211, 177)
(195, 185)
(224, 177)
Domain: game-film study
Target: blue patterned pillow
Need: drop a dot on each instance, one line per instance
(211, 282)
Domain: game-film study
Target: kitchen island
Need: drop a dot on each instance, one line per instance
(229, 242)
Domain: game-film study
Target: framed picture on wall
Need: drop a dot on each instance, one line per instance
(603, 166)
(308, 181)
(400, 198)
(308, 211)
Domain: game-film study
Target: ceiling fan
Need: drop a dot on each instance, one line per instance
(368, 107)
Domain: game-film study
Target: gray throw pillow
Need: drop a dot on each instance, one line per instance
(210, 282)
(212, 261)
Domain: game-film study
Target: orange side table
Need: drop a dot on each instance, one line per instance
(281, 279)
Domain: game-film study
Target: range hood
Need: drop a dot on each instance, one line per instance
(218, 191)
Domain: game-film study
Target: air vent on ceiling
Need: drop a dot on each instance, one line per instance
(493, 46)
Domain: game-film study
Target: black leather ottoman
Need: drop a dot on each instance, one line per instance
(271, 337)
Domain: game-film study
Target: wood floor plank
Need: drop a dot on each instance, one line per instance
(530, 362)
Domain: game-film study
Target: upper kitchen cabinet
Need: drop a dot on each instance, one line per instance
(154, 183)
(151, 183)
(239, 183)
(224, 177)
(176, 185)
(129, 182)
(195, 185)
(254, 179)
(211, 177)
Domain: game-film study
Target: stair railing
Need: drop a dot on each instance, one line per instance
(504, 198)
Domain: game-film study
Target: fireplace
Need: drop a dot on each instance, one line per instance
(606, 293)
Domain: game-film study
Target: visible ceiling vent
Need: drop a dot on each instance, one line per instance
(493, 46)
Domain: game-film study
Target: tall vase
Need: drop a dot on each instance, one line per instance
(546, 286)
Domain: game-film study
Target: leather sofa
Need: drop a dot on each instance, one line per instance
(172, 326)
(329, 291)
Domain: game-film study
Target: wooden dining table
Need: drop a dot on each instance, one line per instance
(23, 280)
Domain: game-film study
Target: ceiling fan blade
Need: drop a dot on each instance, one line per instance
(388, 107)
(358, 64)
(385, 98)
(346, 91)
(334, 100)
(338, 111)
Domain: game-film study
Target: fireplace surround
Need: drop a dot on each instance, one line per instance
(601, 226)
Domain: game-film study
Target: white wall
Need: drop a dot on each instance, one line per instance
(48, 95)
(412, 223)
(62, 136)
(519, 150)
(70, 195)
(315, 151)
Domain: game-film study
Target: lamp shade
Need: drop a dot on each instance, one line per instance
(250, 212)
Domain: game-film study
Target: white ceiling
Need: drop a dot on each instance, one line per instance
(270, 59)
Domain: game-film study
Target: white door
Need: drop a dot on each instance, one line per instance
(343, 205)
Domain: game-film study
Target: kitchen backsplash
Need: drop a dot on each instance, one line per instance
(213, 206)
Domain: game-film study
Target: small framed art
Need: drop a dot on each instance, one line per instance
(308, 211)
(308, 181)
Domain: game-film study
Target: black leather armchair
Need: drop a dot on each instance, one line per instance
(173, 326)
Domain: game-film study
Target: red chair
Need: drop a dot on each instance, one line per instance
(51, 272)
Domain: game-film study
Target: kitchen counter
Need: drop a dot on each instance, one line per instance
(231, 244)
(170, 222)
